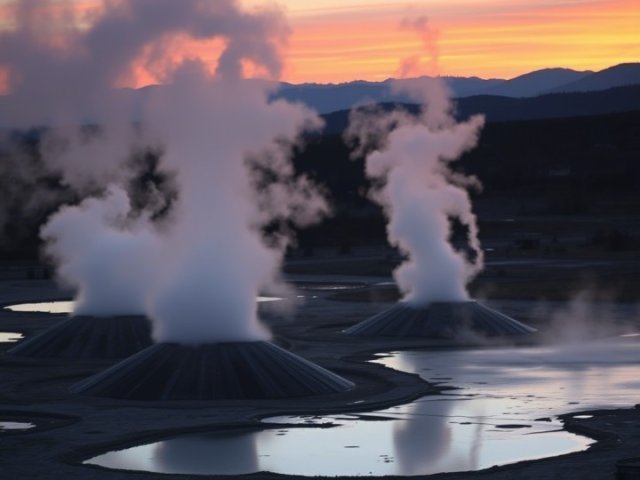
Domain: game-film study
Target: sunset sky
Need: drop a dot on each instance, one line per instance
(343, 40)
(340, 40)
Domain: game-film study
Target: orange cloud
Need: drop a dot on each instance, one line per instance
(83, 11)
(159, 58)
(342, 40)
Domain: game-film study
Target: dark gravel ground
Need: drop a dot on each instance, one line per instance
(70, 428)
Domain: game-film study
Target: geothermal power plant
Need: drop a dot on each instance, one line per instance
(169, 189)
(175, 297)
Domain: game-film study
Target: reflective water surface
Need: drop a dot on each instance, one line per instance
(326, 286)
(43, 307)
(10, 337)
(68, 306)
(503, 412)
(423, 440)
(538, 380)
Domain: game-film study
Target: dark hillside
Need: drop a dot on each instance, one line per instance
(585, 165)
(505, 109)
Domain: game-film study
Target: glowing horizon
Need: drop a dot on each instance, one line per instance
(361, 39)
(339, 41)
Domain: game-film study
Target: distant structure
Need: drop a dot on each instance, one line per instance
(440, 320)
(89, 337)
(213, 371)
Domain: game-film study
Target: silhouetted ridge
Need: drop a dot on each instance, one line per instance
(440, 320)
(216, 371)
(507, 109)
(614, 76)
(89, 337)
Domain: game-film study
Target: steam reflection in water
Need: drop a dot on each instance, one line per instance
(222, 452)
(428, 436)
(502, 413)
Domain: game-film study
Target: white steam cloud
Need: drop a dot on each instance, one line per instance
(197, 268)
(586, 317)
(104, 253)
(223, 138)
(63, 69)
(408, 158)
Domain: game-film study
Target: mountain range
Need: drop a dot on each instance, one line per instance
(505, 109)
(548, 93)
(326, 98)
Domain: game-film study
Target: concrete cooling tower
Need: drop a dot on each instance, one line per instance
(89, 337)
(213, 371)
(440, 320)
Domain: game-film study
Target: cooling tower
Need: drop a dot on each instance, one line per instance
(89, 337)
(214, 371)
(440, 320)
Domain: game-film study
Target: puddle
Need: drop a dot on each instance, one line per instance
(503, 412)
(15, 426)
(10, 337)
(43, 307)
(267, 299)
(328, 286)
(538, 381)
(428, 436)
(68, 306)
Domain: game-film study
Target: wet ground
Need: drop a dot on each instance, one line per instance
(448, 431)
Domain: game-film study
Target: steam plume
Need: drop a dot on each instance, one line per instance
(414, 64)
(63, 73)
(199, 268)
(106, 255)
(230, 150)
(586, 317)
(409, 160)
